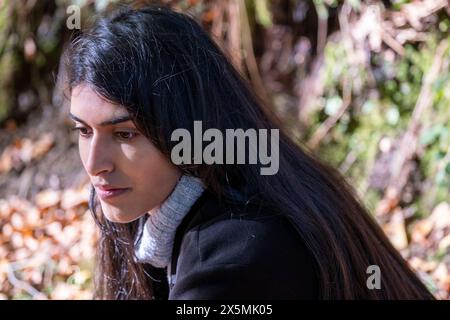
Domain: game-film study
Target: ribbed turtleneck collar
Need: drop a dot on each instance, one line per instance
(158, 234)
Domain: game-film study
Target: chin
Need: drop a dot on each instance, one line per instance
(119, 217)
(122, 219)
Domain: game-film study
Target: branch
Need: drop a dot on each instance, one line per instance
(401, 164)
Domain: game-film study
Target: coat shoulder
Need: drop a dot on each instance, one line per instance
(255, 239)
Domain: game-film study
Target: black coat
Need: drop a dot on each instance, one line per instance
(231, 251)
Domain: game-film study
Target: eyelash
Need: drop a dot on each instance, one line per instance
(84, 135)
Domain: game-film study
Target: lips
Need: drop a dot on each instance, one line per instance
(107, 191)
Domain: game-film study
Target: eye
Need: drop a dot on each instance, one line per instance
(83, 132)
(126, 135)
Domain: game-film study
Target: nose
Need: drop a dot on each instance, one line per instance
(99, 158)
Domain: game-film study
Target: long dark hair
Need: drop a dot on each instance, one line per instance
(166, 70)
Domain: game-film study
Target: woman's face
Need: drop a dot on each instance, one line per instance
(116, 156)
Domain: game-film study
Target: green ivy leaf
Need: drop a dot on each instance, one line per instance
(431, 135)
(333, 105)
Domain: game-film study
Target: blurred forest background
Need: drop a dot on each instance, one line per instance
(364, 84)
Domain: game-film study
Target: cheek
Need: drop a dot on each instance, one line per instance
(145, 161)
(83, 150)
(157, 177)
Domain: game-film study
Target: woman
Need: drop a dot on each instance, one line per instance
(217, 230)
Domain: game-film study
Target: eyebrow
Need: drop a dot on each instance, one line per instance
(104, 123)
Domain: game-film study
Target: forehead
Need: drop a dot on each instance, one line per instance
(88, 105)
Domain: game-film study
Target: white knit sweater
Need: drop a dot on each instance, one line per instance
(158, 234)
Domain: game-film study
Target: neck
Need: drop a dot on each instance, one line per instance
(156, 243)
